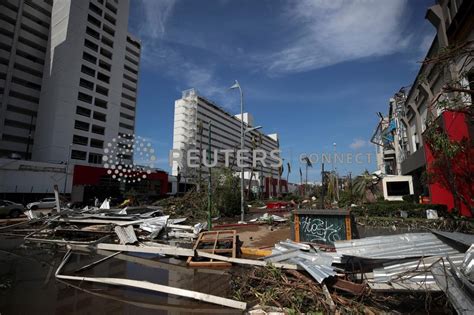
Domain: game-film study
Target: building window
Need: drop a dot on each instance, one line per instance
(97, 143)
(102, 90)
(126, 126)
(103, 77)
(80, 125)
(98, 130)
(18, 124)
(95, 158)
(128, 87)
(131, 70)
(133, 42)
(107, 41)
(91, 45)
(127, 106)
(28, 56)
(108, 29)
(129, 50)
(123, 115)
(28, 70)
(84, 97)
(32, 44)
(83, 111)
(24, 97)
(106, 53)
(78, 155)
(129, 78)
(92, 33)
(111, 7)
(95, 8)
(128, 97)
(99, 116)
(131, 60)
(93, 20)
(88, 71)
(34, 32)
(88, 57)
(100, 103)
(86, 84)
(79, 140)
(20, 110)
(105, 65)
(12, 138)
(26, 83)
(109, 18)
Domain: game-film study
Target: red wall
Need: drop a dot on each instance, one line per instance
(89, 175)
(456, 126)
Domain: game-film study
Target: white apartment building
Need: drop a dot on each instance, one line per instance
(24, 34)
(193, 112)
(69, 76)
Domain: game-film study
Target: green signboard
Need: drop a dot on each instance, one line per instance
(322, 226)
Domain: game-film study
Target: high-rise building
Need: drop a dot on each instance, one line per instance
(70, 79)
(24, 35)
(192, 116)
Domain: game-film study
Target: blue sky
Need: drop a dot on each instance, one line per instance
(315, 72)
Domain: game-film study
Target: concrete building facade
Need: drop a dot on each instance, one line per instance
(192, 116)
(68, 86)
(69, 77)
(454, 26)
(24, 35)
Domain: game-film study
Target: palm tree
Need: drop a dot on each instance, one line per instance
(365, 186)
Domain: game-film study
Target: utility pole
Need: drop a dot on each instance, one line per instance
(350, 186)
(322, 186)
(209, 197)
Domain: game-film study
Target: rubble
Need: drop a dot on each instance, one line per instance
(369, 275)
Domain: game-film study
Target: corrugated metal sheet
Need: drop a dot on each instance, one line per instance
(396, 246)
(416, 270)
(317, 264)
(462, 238)
(447, 279)
(126, 234)
(467, 266)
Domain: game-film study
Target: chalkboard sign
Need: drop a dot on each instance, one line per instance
(322, 226)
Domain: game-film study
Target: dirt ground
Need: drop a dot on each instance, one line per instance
(262, 236)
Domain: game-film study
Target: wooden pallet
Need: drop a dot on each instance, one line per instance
(222, 242)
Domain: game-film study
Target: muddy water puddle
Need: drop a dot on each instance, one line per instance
(28, 284)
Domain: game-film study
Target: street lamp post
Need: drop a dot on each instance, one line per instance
(237, 86)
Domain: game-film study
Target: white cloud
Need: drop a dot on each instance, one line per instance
(155, 14)
(160, 53)
(330, 32)
(358, 144)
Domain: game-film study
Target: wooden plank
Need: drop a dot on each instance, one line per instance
(168, 250)
(152, 287)
(255, 251)
(209, 264)
(297, 227)
(215, 238)
(348, 228)
(245, 261)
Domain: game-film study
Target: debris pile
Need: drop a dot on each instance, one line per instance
(369, 275)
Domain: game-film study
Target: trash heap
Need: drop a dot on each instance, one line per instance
(369, 275)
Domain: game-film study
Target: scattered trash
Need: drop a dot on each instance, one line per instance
(302, 277)
(269, 218)
(431, 214)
